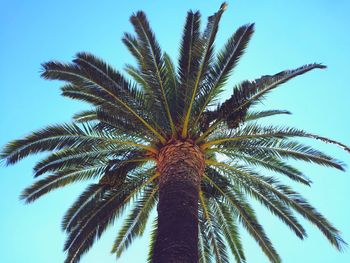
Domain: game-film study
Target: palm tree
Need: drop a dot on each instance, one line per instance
(162, 139)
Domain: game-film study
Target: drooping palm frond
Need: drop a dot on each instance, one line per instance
(212, 231)
(136, 222)
(60, 179)
(225, 219)
(253, 131)
(205, 255)
(273, 136)
(221, 181)
(92, 224)
(283, 149)
(327, 140)
(239, 206)
(69, 158)
(153, 237)
(82, 205)
(270, 186)
(270, 202)
(269, 162)
(81, 238)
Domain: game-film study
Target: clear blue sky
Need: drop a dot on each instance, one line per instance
(288, 34)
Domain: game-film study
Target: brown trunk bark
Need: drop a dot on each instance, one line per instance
(181, 165)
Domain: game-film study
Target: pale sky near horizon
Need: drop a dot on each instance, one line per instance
(288, 34)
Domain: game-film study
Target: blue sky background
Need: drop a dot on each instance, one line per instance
(288, 34)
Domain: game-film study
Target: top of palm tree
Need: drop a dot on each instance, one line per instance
(117, 142)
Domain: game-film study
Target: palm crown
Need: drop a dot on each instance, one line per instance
(118, 141)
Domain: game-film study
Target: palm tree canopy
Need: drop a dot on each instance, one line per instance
(116, 143)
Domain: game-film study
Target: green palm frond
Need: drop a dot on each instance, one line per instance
(51, 138)
(269, 162)
(88, 200)
(154, 61)
(173, 88)
(136, 222)
(205, 255)
(226, 137)
(226, 61)
(248, 93)
(255, 115)
(207, 48)
(60, 179)
(271, 135)
(286, 196)
(269, 201)
(117, 92)
(287, 149)
(137, 75)
(327, 140)
(152, 105)
(117, 169)
(212, 231)
(59, 137)
(153, 237)
(243, 96)
(73, 157)
(85, 116)
(104, 75)
(298, 203)
(95, 83)
(118, 122)
(220, 180)
(140, 73)
(92, 225)
(84, 203)
(189, 59)
(87, 94)
(134, 47)
(229, 230)
(239, 206)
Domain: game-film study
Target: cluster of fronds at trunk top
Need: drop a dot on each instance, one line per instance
(117, 141)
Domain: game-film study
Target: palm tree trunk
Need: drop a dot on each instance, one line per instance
(181, 166)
